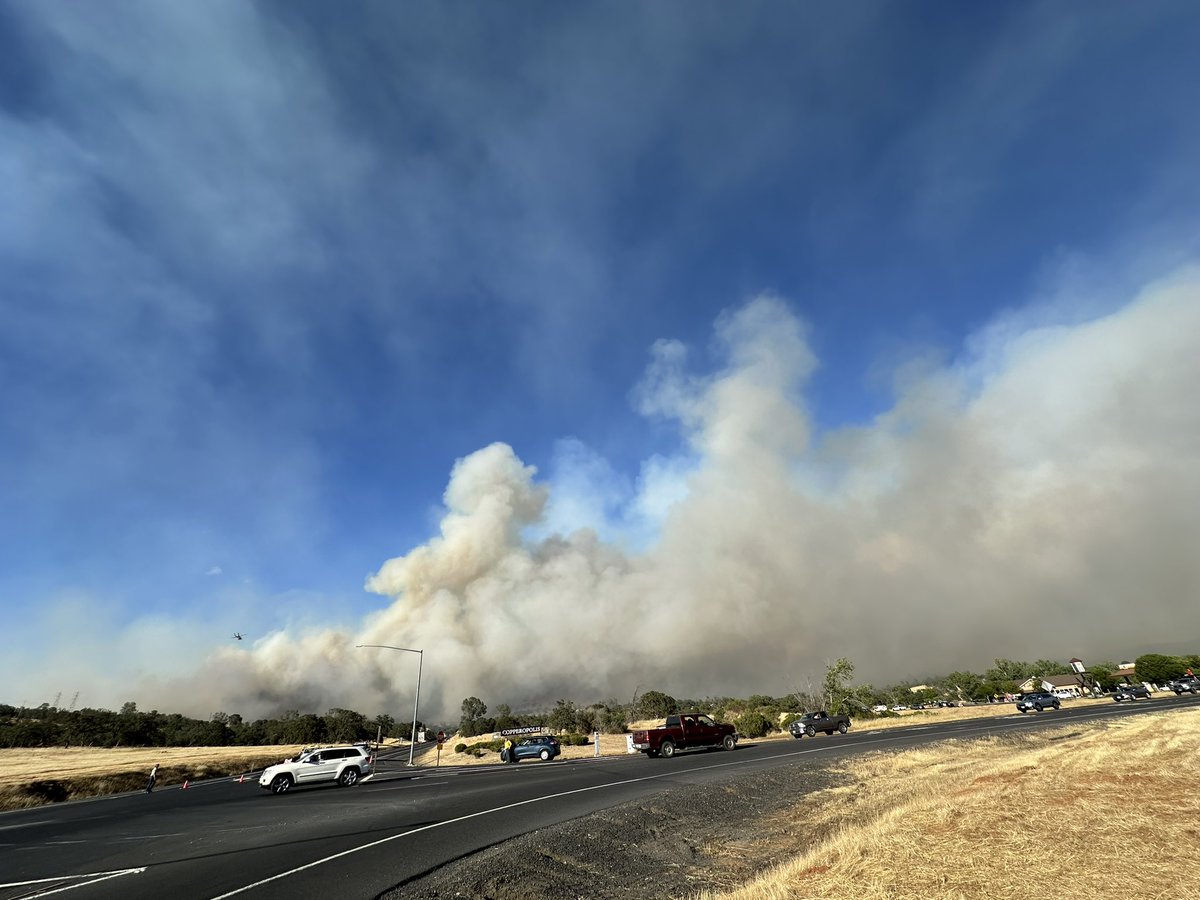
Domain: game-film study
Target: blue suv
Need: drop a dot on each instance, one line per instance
(542, 746)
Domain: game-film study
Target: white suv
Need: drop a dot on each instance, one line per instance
(342, 765)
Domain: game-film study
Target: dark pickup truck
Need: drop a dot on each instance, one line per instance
(683, 732)
(812, 722)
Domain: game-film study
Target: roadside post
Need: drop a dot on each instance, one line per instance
(596, 738)
(441, 740)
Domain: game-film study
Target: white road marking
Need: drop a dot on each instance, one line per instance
(84, 881)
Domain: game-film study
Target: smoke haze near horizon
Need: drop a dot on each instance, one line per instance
(1035, 498)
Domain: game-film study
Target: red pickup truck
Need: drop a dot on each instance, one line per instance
(683, 732)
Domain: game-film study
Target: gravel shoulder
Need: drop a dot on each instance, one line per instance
(671, 845)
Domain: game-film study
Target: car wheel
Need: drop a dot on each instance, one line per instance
(1058, 706)
(281, 784)
(667, 749)
(1038, 707)
(843, 727)
(348, 777)
(810, 731)
(545, 755)
(728, 742)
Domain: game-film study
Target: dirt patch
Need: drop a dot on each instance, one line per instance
(671, 845)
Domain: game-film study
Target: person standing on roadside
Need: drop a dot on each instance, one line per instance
(508, 750)
(153, 777)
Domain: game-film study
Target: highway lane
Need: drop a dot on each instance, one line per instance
(224, 839)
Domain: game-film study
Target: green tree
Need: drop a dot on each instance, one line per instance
(1158, 668)
(838, 695)
(1103, 677)
(563, 716)
(1009, 670)
(1046, 667)
(656, 705)
(612, 719)
(346, 725)
(505, 718)
(473, 709)
(963, 685)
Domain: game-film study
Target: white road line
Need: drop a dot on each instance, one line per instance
(94, 878)
(28, 824)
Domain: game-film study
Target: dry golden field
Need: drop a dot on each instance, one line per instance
(31, 777)
(1090, 811)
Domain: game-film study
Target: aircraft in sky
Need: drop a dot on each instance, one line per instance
(237, 635)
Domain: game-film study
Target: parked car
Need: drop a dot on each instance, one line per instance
(1038, 700)
(345, 766)
(542, 746)
(1131, 692)
(1063, 695)
(881, 708)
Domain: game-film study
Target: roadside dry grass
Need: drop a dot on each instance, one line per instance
(1108, 810)
(32, 777)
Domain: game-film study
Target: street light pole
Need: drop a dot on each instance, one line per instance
(412, 744)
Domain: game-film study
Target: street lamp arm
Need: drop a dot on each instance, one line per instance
(390, 647)
(412, 742)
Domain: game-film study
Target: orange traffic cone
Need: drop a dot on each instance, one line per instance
(185, 784)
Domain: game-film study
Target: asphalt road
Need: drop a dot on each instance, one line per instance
(222, 839)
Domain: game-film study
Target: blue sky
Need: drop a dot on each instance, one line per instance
(268, 270)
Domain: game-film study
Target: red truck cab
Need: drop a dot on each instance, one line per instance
(683, 732)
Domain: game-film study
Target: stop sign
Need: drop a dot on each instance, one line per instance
(441, 737)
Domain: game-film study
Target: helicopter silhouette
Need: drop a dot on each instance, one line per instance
(237, 635)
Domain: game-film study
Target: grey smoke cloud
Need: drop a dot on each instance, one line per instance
(1039, 498)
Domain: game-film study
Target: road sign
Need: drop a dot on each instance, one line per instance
(441, 737)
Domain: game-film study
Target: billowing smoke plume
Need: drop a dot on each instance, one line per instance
(1039, 499)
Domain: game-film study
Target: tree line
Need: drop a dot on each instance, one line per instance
(48, 726)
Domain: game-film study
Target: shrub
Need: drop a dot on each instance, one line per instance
(752, 724)
(460, 748)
